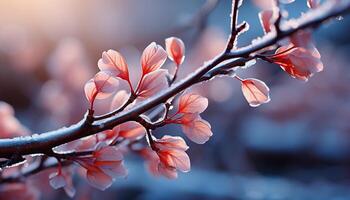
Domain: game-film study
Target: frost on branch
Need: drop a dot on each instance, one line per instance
(98, 148)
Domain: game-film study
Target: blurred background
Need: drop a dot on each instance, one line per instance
(295, 147)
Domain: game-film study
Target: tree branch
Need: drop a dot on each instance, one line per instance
(234, 16)
(46, 141)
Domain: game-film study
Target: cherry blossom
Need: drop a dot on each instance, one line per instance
(299, 62)
(114, 63)
(168, 157)
(113, 67)
(303, 38)
(103, 166)
(152, 83)
(153, 57)
(255, 91)
(129, 130)
(119, 99)
(175, 49)
(195, 128)
(102, 86)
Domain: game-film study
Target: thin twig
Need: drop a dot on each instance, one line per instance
(40, 143)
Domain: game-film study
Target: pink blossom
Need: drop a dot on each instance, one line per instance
(101, 86)
(255, 91)
(168, 157)
(175, 49)
(192, 103)
(113, 62)
(153, 83)
(195, 128)
(153, 57)
(299, 62)
(103, 166)
(119, 99)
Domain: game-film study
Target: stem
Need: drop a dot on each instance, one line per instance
(40, 143)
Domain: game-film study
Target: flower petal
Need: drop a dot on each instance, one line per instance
(197, 130)
(98, 179)
(153, 83)
(153, 57)
(175, 49)
(181, 160)
(131, 130)
(255, 91)
(108, 153)
(114, 63)
(171, 142)
(101, 86)
(119, 99)
(192, 103)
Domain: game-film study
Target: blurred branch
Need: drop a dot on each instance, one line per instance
(44, 142)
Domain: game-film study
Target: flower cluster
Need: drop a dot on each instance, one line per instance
(296, 55)
(100, 157)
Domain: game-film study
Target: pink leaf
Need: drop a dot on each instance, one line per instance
(101, 86)
(175, 49)
(98, 179)
(119, 99)
(192, 103)
(113, 62)
(153, 57)
(153, 83)
(255, 91)
(196, 129)
(171, 142)
(299, 62)
(131, 130)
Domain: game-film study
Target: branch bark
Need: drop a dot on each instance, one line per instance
(42, 143)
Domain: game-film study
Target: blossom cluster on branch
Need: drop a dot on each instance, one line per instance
(97, 145)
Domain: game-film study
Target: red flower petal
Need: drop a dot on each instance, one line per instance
(175, 49)
(192, 103)
(153, 57)
(101, 86)
(255, 91)
(153, 83)
(196, 129)
(119, 99)
(114, 63)
(98, 179)
(131, 130)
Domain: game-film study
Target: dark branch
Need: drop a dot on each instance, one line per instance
(234, 31)
(44, 142)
